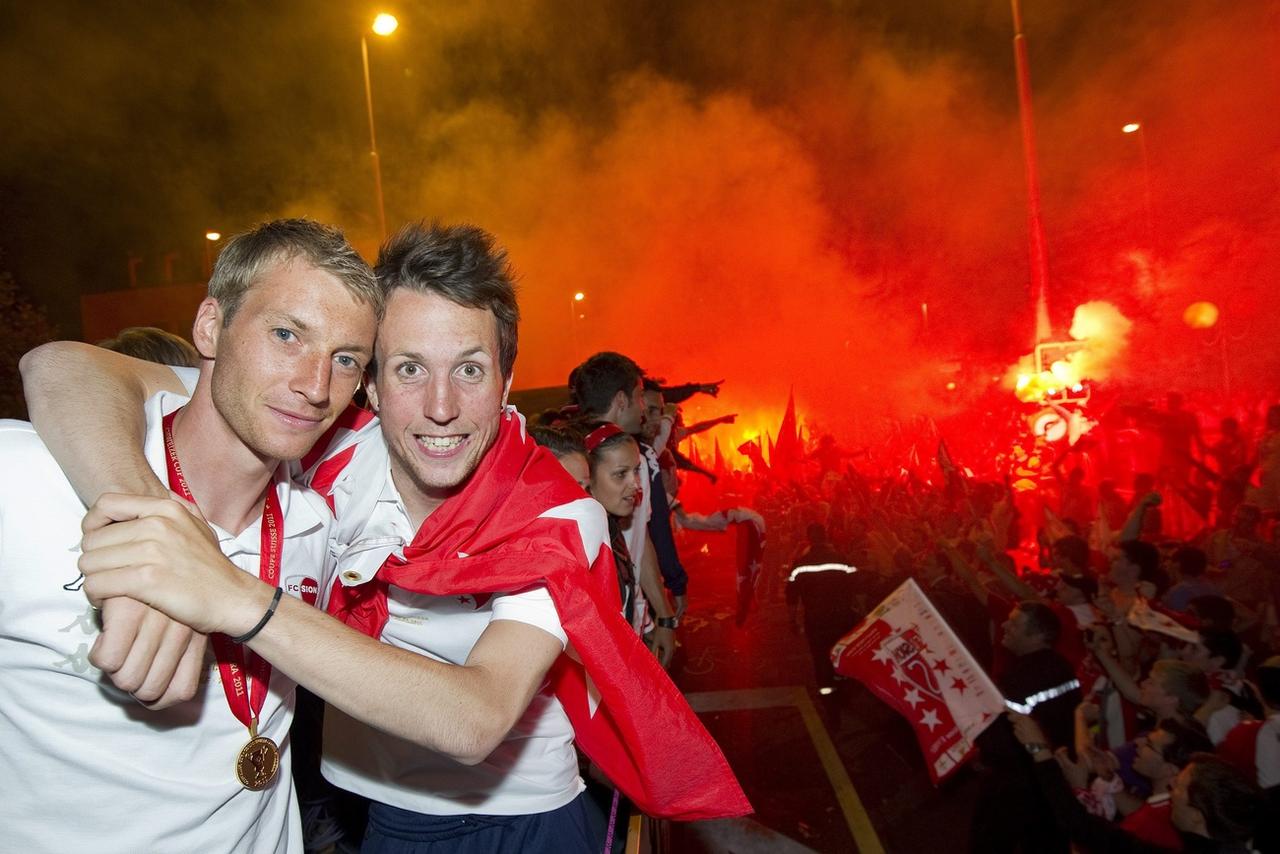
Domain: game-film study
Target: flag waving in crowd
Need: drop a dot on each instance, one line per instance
(911, 659)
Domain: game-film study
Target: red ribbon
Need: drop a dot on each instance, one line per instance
(245, 700)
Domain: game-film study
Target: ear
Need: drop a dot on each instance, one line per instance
(506, 388)
(371, 389)
(621, 400)
(207, 327)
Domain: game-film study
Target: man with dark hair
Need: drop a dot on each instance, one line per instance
(474, 557)
(1010, 814)
(610, 387)
(1071, 555)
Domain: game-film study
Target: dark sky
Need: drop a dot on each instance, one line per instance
(723, 178)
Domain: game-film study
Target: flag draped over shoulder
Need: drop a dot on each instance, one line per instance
(911, 659)
(520, 520)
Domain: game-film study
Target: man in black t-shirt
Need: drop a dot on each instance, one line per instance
(1011, 813)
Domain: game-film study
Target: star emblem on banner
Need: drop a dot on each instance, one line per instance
(882, 655)
(930, 719)
(959, 685)
(914, 697)
(900, 677)
(941, 665)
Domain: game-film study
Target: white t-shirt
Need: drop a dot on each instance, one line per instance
(533, 770)
(85, 767)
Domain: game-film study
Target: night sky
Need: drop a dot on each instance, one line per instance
(765, 191)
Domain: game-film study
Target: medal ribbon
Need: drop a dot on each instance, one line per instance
(245, 702)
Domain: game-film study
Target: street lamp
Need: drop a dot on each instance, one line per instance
(1141, 131)
(574, 317)
(210, 238)
(383, 25)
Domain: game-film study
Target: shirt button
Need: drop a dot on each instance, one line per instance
(352, 576)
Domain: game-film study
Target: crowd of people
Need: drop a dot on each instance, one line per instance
(1149, 650)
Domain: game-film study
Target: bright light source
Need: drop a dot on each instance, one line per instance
(384, 24)
(1200, 315)
(826, 691)
(579, 296)
(213, 235)
(1132, 127)
(951, 386)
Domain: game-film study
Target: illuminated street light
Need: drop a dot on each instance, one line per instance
(210, 238)
(1132, 127)
(574, 317)
(383, 25)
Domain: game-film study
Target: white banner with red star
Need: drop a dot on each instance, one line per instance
(911, 659)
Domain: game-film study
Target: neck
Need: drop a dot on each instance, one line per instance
(227, 477)
(418, 505)
(1161, 786)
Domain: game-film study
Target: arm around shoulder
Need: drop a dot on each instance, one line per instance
(87, 405)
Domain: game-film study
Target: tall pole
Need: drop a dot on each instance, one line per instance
(1146, 186)
(1039, 253)
(373, 141)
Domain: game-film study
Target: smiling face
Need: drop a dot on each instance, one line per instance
(289, 360)
(439, 393)
(615, 477)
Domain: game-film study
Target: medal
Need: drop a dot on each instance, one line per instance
(258, 762)
(245, 676)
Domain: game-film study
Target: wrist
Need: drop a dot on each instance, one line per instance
(671, 622)
(247, 608)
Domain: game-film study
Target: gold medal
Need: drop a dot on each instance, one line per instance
(258, 763)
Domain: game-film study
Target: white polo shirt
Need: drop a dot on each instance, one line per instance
(533, 770)
(85, 767)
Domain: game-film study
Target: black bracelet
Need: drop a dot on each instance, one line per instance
(271, 609)
(668, 622)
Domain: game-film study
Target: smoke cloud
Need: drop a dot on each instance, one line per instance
(771, 198)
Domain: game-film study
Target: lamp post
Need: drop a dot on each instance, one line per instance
(383, 25)
(210, 238)
(1035, 223)
(1141, 131)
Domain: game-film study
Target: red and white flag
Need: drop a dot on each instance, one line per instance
(911, 659)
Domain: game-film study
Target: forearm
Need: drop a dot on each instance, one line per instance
(87, 405)
(651, 584)
(663, 543)
(460, 711)
(1120, 678)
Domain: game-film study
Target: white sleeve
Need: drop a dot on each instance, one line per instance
(532, 606)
